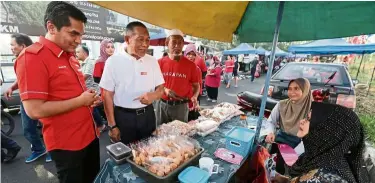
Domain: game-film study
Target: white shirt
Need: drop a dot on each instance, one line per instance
(130, 78)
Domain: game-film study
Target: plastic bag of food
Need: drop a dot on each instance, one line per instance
(203, 134)
(206, 125)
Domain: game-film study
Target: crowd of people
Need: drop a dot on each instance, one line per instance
(73, 95)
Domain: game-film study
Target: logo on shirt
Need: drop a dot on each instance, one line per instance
(175, 74)
(62, 67)
(143, 73)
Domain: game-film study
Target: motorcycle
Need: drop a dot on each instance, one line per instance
(251, 102)
(7, 123)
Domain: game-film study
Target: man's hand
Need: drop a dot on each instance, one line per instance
(147, 98)
(8, 93)
(114, 134)
(194, 100)
(270, 138)
(89, 98)
(171, 94)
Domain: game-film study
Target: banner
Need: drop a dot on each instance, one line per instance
(27, 17)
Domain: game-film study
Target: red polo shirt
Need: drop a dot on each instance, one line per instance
(179, 76)
(44, 71)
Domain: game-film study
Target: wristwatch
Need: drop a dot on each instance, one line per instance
(112, 127)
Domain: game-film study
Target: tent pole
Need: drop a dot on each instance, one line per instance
(360, 64)
(369, 86)
(270, 68)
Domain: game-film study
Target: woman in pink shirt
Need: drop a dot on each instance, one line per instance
(213, 79)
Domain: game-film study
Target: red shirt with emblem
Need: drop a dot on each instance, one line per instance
(44, 71)
(98, 69)
(179, 76)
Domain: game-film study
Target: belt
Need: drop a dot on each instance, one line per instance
(174, 102)
(139, 111)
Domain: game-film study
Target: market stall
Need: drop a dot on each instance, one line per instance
(212, 142)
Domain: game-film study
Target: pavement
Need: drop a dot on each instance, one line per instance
(39, 171)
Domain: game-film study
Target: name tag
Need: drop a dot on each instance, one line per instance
(143, 73)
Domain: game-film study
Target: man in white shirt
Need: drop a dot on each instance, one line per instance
(131, 81)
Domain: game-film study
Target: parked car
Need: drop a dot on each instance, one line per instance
(8, 76)
(330, 78)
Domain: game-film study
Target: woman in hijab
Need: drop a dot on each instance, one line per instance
(334, 142)
(286, 116)
(107, 49)
(287, 113)
(213, 79)
(191, 54)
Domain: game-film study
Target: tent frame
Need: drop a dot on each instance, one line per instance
(269, 71)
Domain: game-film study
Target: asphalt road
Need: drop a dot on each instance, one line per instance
(41, 172)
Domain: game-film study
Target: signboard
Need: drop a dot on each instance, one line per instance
(27, 17)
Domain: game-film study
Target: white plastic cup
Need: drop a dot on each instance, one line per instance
(207, 164)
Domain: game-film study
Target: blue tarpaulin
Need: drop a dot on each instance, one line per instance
(243, 48)
(261, 49)
(331, 47)
(280, 53)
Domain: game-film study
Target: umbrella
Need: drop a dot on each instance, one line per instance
(254, 21)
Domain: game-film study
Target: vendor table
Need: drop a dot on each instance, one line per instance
(113, 173)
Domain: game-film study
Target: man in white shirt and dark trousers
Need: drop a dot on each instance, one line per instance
(131, 81)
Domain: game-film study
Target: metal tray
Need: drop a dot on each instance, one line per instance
(172, 177)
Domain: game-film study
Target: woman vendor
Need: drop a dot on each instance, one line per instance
(334, 141)
(286, 115)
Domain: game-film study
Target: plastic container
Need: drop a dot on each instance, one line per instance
(119, 150)
(117, 161)
(172, 177)
(240, 140)
(193, 174)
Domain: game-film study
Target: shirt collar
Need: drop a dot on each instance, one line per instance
(56, 50)
(86, 60)
(131, 57)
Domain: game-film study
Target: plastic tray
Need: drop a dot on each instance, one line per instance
(119, 150)
(117, 161)
(172, 177)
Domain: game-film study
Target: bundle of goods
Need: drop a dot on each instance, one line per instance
(165, 155)
(175, 128)
(206, 127)
(222, 112)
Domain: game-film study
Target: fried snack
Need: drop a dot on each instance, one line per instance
(164, 154)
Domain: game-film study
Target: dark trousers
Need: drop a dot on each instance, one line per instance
(8, 144)
(252, 73)
(31, 132)
(135, 126)
(97, 117)
(78, 166)
(212, 92)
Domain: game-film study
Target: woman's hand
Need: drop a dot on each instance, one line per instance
(304, 126)
(270, 138)
(279, 179)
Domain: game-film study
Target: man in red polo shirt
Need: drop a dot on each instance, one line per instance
(53, 90)
(181, 82)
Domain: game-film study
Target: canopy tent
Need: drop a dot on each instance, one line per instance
(261, 50)
(253, 21)
(280, 53)
(330, 47)
(243, 48)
